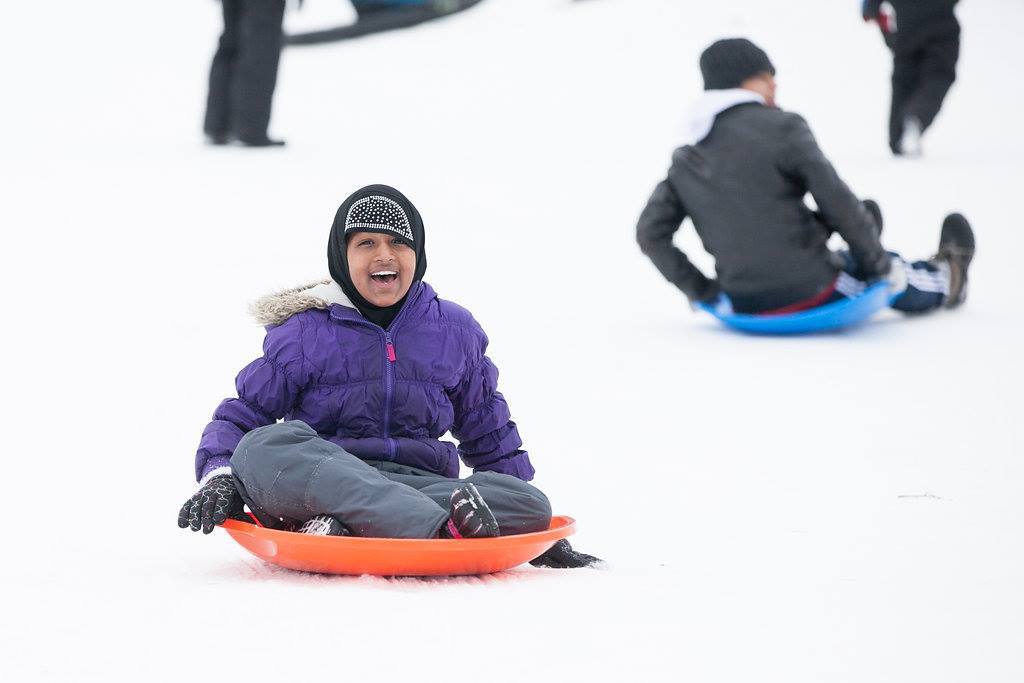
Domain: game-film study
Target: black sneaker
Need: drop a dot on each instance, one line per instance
(470, 517)
(956, 248)
(876, 213)
(324, 525)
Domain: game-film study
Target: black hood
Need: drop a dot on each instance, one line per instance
(409, 224)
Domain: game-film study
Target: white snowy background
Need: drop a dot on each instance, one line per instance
(838, 508)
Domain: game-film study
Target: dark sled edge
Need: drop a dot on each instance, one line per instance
(386, 21)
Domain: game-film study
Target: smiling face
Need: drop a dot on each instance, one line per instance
(381, 266)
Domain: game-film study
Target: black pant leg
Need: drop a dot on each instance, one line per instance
(289, 472)
(938, 72)
(218, 100)
(259, 50)
(906, 73)
(927, 288)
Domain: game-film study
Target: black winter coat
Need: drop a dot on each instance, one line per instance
(744, 186)
(917, 21)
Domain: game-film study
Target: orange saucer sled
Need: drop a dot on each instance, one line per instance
(396, 556)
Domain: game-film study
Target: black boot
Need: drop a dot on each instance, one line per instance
(324, 525)
(956, 249)
(470, 517)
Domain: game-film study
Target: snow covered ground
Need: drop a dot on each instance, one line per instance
(841, 508)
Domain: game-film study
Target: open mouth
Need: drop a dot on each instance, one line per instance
(384, 277)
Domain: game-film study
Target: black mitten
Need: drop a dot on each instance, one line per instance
(211, 505)
(562, 556)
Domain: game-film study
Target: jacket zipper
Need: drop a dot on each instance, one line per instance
(389, 385)
(390, 357)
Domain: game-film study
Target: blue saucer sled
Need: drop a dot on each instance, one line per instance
(833, 316)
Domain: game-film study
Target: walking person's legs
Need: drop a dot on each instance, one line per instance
(937, 74)
(217, 122)
(906, 74)
(259, 51)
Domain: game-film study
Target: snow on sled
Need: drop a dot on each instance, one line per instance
(396, 556)
(401, 15)
(833, 316)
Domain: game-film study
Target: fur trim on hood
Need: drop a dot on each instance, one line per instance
(274, 309)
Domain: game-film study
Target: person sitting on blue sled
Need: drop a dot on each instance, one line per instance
(742, 179)
(368, 370)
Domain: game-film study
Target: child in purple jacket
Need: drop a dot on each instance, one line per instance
(368, 370)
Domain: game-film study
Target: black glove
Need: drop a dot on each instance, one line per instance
(874, 270)
(706, 291)
(213, 503)
(709, 293)
(562, 556)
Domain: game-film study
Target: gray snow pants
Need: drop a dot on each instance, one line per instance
(288, 472)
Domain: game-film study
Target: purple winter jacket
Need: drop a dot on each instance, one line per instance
(379, 394)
